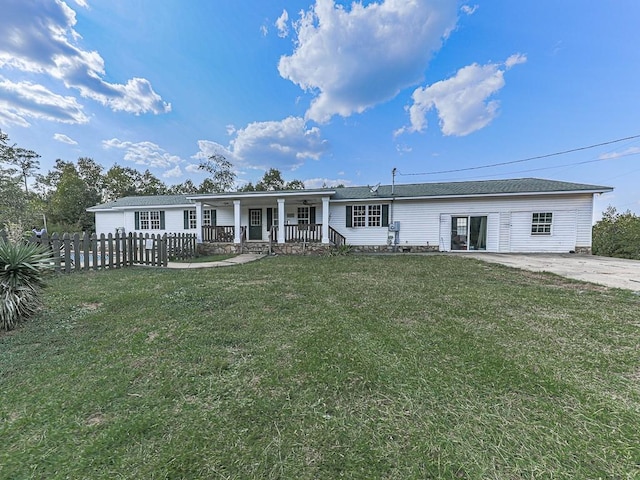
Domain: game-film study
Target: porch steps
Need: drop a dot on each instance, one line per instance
(256, 247)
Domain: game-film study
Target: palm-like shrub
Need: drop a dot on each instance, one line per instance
(22, 268)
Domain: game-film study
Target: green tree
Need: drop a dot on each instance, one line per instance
(47, 183)
(26, 161)
(295, 185)
(272, 180)
(13, 200)
(16, 203)
(91, 173)
(70, 200)
(185, 188)
(617, 235)
(120, 182)
(222, 177)
(149, 184)
(5, 150)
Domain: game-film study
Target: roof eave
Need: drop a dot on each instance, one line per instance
(472, 195)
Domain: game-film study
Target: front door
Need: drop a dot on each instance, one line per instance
(255, 224)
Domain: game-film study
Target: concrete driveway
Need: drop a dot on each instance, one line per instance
(611, 272)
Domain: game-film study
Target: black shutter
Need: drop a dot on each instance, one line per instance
(385, 215)
(349, 216)
(269, 218)
(137, 216)
(161, 220)
(312, 214)
(186, 219)
(214, 220)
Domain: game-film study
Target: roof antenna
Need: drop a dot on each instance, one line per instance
(393, 179)
(374, 189)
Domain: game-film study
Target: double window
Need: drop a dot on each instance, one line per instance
(541, 223)
(375, 215)
(149, 220)
(191, 219)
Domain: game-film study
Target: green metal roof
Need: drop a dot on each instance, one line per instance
(454, 189)
(517, 186)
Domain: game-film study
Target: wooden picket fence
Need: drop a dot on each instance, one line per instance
(78, 252)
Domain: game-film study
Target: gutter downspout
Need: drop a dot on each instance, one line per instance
(396, 237)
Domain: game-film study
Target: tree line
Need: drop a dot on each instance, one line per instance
(58, 199)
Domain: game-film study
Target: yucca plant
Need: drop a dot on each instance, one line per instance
(22, 270)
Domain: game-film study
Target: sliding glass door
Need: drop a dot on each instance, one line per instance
(469, 233)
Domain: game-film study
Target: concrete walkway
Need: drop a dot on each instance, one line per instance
(237, 260)
(611, 272)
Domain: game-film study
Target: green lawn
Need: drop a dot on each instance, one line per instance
(396, 367)
(206, 258)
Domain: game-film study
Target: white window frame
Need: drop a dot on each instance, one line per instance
(367, 215)
(374, 215)
(303, 215)
(359, 216)
(149, 219)
(154, 220)
(541, 223)
(206, 217)
(193, 219)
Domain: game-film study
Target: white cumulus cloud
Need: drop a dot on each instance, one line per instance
(282, 24)
(283, 144)
(39, 38)
(143, 153)
(21, 101)
(462, 101)
(326, 182)
(175, 172)
(352, 59)
(64, 139)
(469, 9)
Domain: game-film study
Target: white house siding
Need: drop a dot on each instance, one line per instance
(562, 238)
(108, 222)
(224, 216)
(505, 232)
(428, 222)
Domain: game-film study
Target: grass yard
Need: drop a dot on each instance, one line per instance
(396, 367)
(206, 258)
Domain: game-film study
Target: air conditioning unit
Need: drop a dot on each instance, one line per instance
(394, 226)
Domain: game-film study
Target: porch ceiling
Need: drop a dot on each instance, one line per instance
(264, 199)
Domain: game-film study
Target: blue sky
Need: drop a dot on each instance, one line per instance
(329, 91)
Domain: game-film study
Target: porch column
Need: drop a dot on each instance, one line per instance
(325, 220)
(198, 222)
(236, 221)
(281, 220)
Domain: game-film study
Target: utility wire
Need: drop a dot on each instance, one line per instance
(564, 152)
(549, 168)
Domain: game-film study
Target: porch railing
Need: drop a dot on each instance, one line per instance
(304, 232)
(219, 233)
(336, 238)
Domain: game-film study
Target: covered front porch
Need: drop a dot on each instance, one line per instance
(296, 216)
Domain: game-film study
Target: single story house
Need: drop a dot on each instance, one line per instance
(513, 215)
